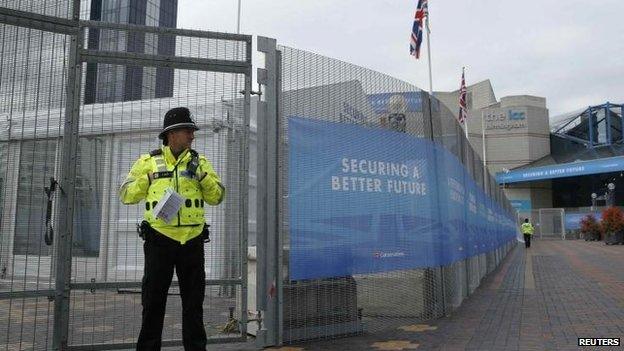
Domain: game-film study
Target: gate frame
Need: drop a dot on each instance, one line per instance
(78, 55)
(270, 253)
(562, 222)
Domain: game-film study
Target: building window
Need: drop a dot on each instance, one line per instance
(88, 200)
(37, 166)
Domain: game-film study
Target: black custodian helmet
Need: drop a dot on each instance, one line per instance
(176, 118)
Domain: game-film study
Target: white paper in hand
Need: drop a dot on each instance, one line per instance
(168, 206)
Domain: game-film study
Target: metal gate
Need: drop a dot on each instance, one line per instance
(548, 222)
(552, 223)
(80, 100)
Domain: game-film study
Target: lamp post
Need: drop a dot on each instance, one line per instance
(610, 194)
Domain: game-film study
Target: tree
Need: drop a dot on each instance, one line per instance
(590, 228)
(613, 225)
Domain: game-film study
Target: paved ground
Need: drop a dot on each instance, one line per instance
(543, 298)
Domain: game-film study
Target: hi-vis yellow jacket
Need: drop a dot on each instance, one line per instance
(204, 185)
(527, 228)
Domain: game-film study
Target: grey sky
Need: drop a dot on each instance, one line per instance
(571, 52)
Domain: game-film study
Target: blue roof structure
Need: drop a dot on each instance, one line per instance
(583, 142)
(593, 127)
(573, 169)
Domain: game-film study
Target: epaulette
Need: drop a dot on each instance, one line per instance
(155, 152)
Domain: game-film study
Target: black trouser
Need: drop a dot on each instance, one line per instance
(161, 256)
(527, 240)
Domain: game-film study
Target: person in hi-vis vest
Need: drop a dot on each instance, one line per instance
(527, 230)
(174, 232)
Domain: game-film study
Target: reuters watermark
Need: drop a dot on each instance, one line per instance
(598, 341)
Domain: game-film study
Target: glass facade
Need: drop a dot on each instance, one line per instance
(108, 83)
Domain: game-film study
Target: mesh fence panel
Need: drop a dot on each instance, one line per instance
(56, 8)
(121, 114)
(319, 88)
(32, 83)
(552, 223)
(106, 246)
(129, 129)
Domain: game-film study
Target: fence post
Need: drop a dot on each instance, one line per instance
(269, 243)
(563, 228)
(244, 192)
(67, 189)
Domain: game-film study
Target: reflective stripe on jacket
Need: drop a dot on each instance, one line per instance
(168, 172)
(527, 228)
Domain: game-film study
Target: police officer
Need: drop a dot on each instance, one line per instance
(178, 243)
(527, 230)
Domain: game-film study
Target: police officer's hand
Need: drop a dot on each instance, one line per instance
(150, 175)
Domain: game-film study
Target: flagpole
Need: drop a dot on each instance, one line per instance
(465, 119)
(429, 55)
(238, 18)
(486, 173)
(483, 140)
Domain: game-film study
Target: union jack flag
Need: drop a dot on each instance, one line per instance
(463, 114)
(422, 11)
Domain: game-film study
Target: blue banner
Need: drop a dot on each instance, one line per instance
(521, 205)
(604, 165)
(365, 200)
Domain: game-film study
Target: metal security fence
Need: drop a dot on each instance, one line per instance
(549, 223)
(80, 100)
(82, 95)
(308, 89)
